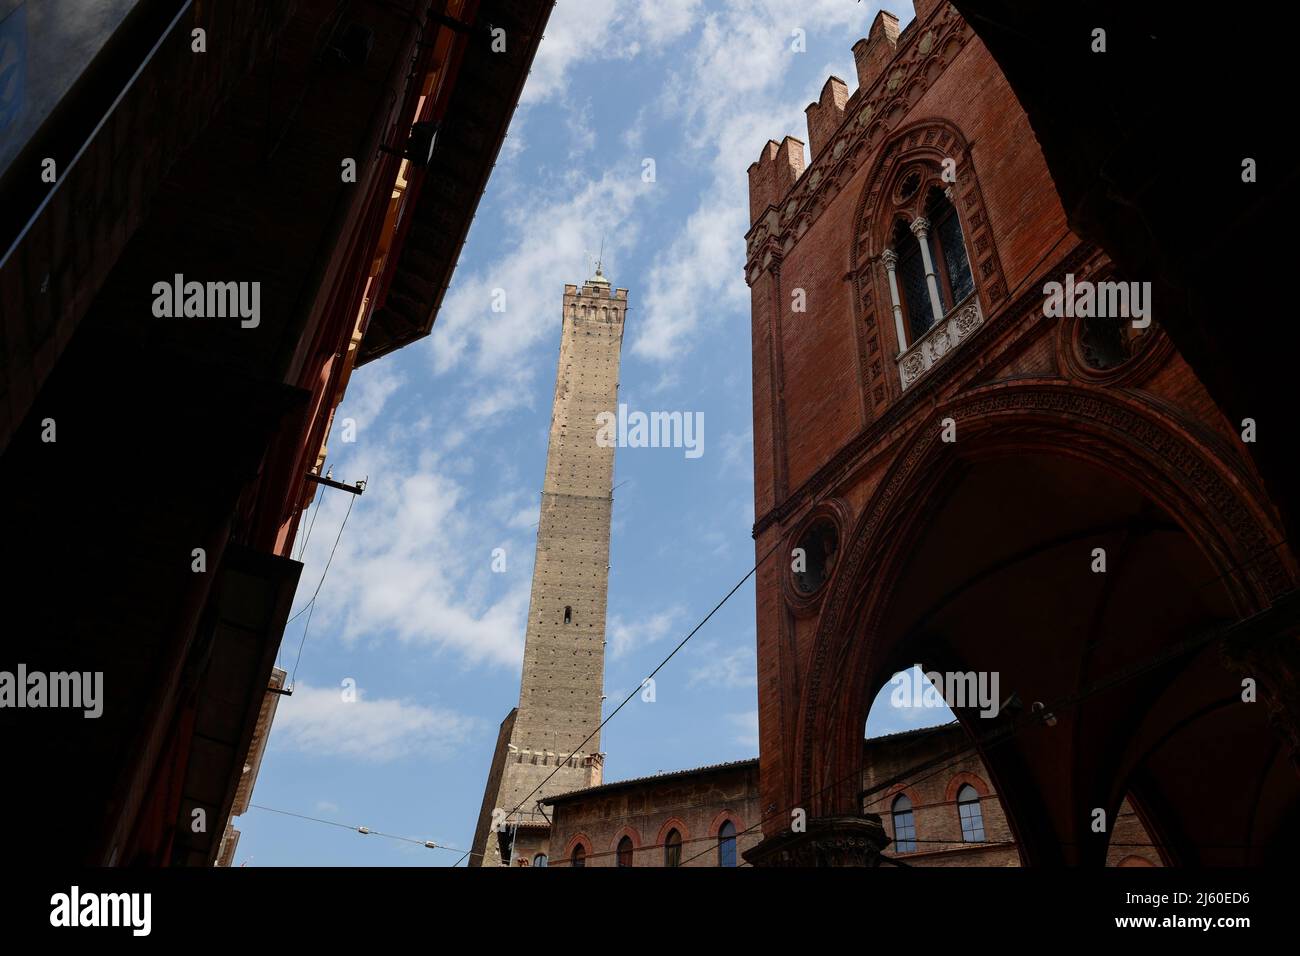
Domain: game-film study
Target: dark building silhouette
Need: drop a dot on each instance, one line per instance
(205, 223)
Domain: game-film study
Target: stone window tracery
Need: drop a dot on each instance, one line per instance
(929, 268)
(924, 256)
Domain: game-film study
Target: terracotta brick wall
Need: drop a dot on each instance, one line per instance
(695, 803)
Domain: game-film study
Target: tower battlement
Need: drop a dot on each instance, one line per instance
(781, 165)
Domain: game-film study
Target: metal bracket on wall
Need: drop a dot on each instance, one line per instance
(356, 489)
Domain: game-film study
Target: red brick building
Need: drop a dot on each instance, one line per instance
(711, 816)
(983, 482)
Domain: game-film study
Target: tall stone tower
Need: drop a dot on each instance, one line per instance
(564, 649)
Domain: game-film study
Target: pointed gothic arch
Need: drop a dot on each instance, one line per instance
(908, 167)
(1216, 502)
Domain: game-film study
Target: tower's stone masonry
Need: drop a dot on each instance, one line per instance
(564, 650)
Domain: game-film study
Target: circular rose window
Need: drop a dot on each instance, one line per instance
(814, 556)
(908, 186)
(1105, 342)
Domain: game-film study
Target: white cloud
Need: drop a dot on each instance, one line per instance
(738, 452)
(731, 97)
(554, 238)
(518, 509)
(582, 136)
(745, 724)
(413, 562)
(735, 668)
(626, 636)
(317, 721)
(369, 391)
(665, 20)
(699, 274)
(583, 30)
(668, 381)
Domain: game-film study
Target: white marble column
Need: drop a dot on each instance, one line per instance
(921, 229)
(890, 259)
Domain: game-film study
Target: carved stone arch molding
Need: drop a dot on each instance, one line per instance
(925, 143)
(1211, 499)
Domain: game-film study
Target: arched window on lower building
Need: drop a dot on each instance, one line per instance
(904, 825)
(673, 849)
(727, 844)
(579, 855)
(625, 851)
(539, 860)
(972, 818)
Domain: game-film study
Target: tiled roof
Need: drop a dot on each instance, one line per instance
(919, 731)
(654, 777)
(715, 767)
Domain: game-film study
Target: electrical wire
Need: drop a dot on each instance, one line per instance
(365, 831)
(1001, 735)
(319, 497)
(639, 687)
(909, 776)
(312, 602)
(990, 740)
(302, 548)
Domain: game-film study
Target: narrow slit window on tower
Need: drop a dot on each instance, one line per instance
(568, 614)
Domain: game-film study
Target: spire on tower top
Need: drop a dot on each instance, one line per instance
(599, 277)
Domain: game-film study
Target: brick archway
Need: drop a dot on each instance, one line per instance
(720, 818)
(630, 832)
(673, 823)
(575, 841)
(960, 779)
(1202, 486)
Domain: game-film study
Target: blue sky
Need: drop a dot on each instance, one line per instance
(452, 432)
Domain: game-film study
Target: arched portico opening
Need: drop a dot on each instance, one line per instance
(980, 556)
